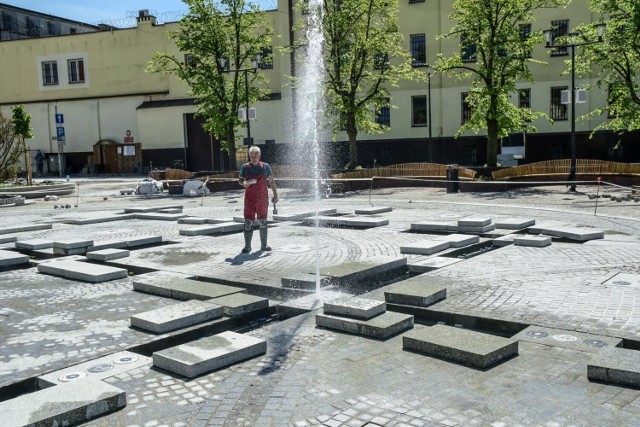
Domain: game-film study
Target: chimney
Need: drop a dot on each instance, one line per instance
(145, 17)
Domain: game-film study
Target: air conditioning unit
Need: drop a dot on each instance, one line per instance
(242, 115)
(564, 97)
(581, 96)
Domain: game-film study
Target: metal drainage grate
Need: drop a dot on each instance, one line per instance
(125, 360)
(71, 376)
(565, 338)
(595, 343)
(537, 334)
(102, 367)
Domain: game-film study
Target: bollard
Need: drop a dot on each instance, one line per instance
(453, 184)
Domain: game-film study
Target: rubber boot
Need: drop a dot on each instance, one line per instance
(248, 235)
(263, 236)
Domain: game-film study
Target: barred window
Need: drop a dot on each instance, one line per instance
(419, 111)
(267, 58)
(467, 111)
(383, 115)
(558, 151)
(467, 49)
(9, 22)
(76, 70)
(470, 155)
(189, 60)
(418, 50)
(49, 73)
(558, 109)
(525, 34)
(559, 29)
(380, 61)
(524, 98)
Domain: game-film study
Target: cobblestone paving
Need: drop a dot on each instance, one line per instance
(312, 376)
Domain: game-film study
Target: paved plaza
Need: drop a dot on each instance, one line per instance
(566, 304)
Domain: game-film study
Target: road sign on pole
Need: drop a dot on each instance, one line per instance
(60, 131)
(59, 118)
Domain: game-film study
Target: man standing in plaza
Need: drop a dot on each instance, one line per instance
(253, 177)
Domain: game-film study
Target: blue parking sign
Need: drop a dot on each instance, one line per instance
(60, 131)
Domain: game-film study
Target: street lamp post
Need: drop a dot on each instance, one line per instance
(548, 36)
(429, 72)
(255, 64)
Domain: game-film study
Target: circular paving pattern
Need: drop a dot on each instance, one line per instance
(537, 334)
(595, 343)
(125, 360)
(565, 338)
(71, 376)
(102, 367)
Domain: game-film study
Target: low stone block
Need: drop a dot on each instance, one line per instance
(10, 258)
(437, 226)
(225, 227)
(474, 221)
(161, 216)
(183, 289)
(240, 304)
(460, 345)
(304, 280)
(67, 252)
(351, 272)
(477, 230)
(63, 405)
(8, 239)
(430, 264)
(99, 219)
(616, 366)
(72, 244)
(142, 209)
(177, 316)
(34, 244)
(27, 227)
(301, 215)
(82, 271)
(108, 254)
(143, 241)
(380, 327)
(514, 223)
(459, 240)
(354, 307)
(335, 221)
(417, 292)
(532, 241)
(373, 211)
(427, 247)
(504, 240)
(209, 354)
(192, 220)
(573, 233)
(107, 244)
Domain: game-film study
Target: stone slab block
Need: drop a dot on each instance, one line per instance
(183, 289)
(225, 227)
(430, 264)
(67, 252)
(474, 221)
(209, 354)
(338, 221)
(8, 239)
(373, 211)
(99, 219)
(459, 240)
(34, 244)
(351, 272)
(107, 244)
(578, 341)
(426, 247)
(504, 240)
(417, 291)
(436, 226)
(82, 271)
(380, 327)
(72, 244)
(143, 209)
(240, 304)
(143, 241)
(460, 345)
(62, 405)
(532, 241)
(161, 216)
(514, 223)
(478, 230)
(304, 280)
(26, 227)
(192, 220)
(170, 211)
(354, 307)
(572, 233)
(108, 254)
(301, 215)
(96, 369)
(177, 316)
(10, 258)
(616, 366)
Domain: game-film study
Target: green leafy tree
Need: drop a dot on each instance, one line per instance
(364, 58)
(495, 51)
(9, 149)
(22, 128)
(231, 29)
(616, 60)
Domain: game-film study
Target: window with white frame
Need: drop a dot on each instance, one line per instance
(49, 73)
(76, 70)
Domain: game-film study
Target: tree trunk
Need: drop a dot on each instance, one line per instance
(492, 142)
(231, 147)
(352, 133)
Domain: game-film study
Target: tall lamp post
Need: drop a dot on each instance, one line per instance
(255, 64)
(429, 72)
(573, 37)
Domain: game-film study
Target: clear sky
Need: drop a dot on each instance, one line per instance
(93, 11)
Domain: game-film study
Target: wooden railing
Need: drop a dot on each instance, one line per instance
(583, 166)
(406, 169)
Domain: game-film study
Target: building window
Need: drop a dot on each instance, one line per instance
(558, 109)
(189, 60)
(76, 70)
(267, 58)
(49, 73)
(383, 115)
(467, 49)
(558, 152)
(467, 111)
(418, 50)
(559, 29)
(380, 61)
(419, 111)
(470, 155)
(615, 150)
(525, 34)
(524, 98)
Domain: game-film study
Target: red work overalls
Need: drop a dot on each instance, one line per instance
(256, 197)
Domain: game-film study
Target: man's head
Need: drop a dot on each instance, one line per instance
(254, 154)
